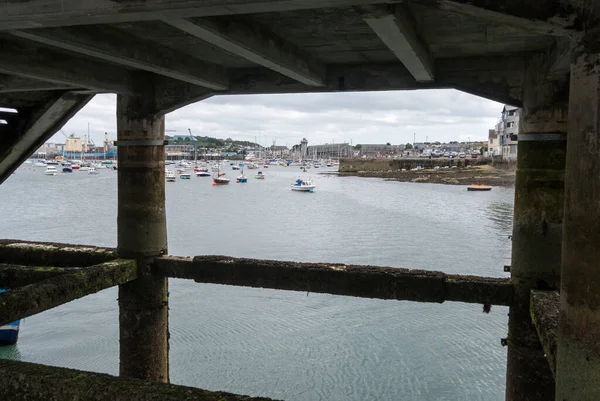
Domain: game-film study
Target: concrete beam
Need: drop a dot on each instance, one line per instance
(256, 44)
(397, 30)
(13, 84)
(27, 60)
(32, 299)
(117, 47)
(339, 279)
(35, 127)
(544, 314)
(171, 95)
(559, 59)
(549, 17)
(53, 254)
(23, 381)
(53, 13)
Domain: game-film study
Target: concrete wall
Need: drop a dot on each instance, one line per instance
(354, 165)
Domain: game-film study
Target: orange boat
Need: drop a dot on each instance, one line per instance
(478, 187)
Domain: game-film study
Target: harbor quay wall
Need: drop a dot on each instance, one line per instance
(355, 165)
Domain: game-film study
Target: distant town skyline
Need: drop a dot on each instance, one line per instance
(397, 117)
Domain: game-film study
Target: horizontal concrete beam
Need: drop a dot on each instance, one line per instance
(396, 29)
(544, 314)
(23, 381)
(52, 13)
(338, 279)
(32, 299)
(256, 44)
(13, 84)
(53, 254)
(25, 59)
(117, 47)
(171, 95)
(12, 276)
(35, 125)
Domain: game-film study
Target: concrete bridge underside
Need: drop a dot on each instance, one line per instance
(159, 55)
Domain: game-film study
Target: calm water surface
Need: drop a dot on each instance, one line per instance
(286, 345)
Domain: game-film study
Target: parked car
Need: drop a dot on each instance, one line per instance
(446, 154)
(425, 154)
(462, 155)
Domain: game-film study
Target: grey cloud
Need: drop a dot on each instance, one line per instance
(442, 115)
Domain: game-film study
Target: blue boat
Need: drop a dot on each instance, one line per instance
(67, 170)
(9, 333)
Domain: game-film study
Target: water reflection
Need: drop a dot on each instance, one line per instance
(501, 215)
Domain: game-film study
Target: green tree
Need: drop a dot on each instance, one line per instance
(358, 147)
(388, 144)
(408, 146)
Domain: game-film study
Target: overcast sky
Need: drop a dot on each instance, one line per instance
(367, 117)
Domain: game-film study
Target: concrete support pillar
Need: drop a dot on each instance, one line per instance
(142, 234)
(578, 357)
(537, 229)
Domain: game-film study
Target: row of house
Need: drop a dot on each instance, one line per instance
(503, 139)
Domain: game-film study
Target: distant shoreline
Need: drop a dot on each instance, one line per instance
(485, 175)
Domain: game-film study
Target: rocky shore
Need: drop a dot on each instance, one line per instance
(486, 175)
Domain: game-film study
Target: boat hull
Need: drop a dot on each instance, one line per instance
(9, 334)
(221, 181)
(303, 188)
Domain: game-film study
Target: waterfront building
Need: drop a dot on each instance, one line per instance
(329, 150)
(493, 143)
(379, 150)
(507, 131)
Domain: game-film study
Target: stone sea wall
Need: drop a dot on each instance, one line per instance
(355, 165)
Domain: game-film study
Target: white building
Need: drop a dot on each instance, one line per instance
(507, 131)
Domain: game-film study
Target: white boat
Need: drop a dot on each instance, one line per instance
(202, 173)
(259, 176)
(39, 163)
(185, 176)
(303, 185)
(252, 166)
(51, 170)
(170, 176)
(234, 167)
(93, 171)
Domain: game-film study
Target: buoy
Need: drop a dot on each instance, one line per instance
(214, 184)
(237, 181)
(311, 191)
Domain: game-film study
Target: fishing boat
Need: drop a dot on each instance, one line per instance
(51, 170)
(259, 176)
(9, 333)
(303, 185)
(93, 171)
(185, 176)
(170, 176)
(202, 173)
(478, 187)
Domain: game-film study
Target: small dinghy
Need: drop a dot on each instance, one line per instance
(478, 187)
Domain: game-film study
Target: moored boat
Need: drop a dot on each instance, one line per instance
(9, 333)
(303, 185)
(259, 176)
(93, 171)
(479, 187)
(202, 173)
(185, 176)
(67, 169)
(170, 176)
(51, 170)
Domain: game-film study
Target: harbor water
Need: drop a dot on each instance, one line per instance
(286, 345)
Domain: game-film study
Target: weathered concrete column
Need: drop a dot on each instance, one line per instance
(578, 355)
(537, 228)
(142, 234)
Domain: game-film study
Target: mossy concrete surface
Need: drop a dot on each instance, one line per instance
(339, 279)
(544, 310)
(22, 381)
(35, 298)
(53, 254)
(12, 275)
